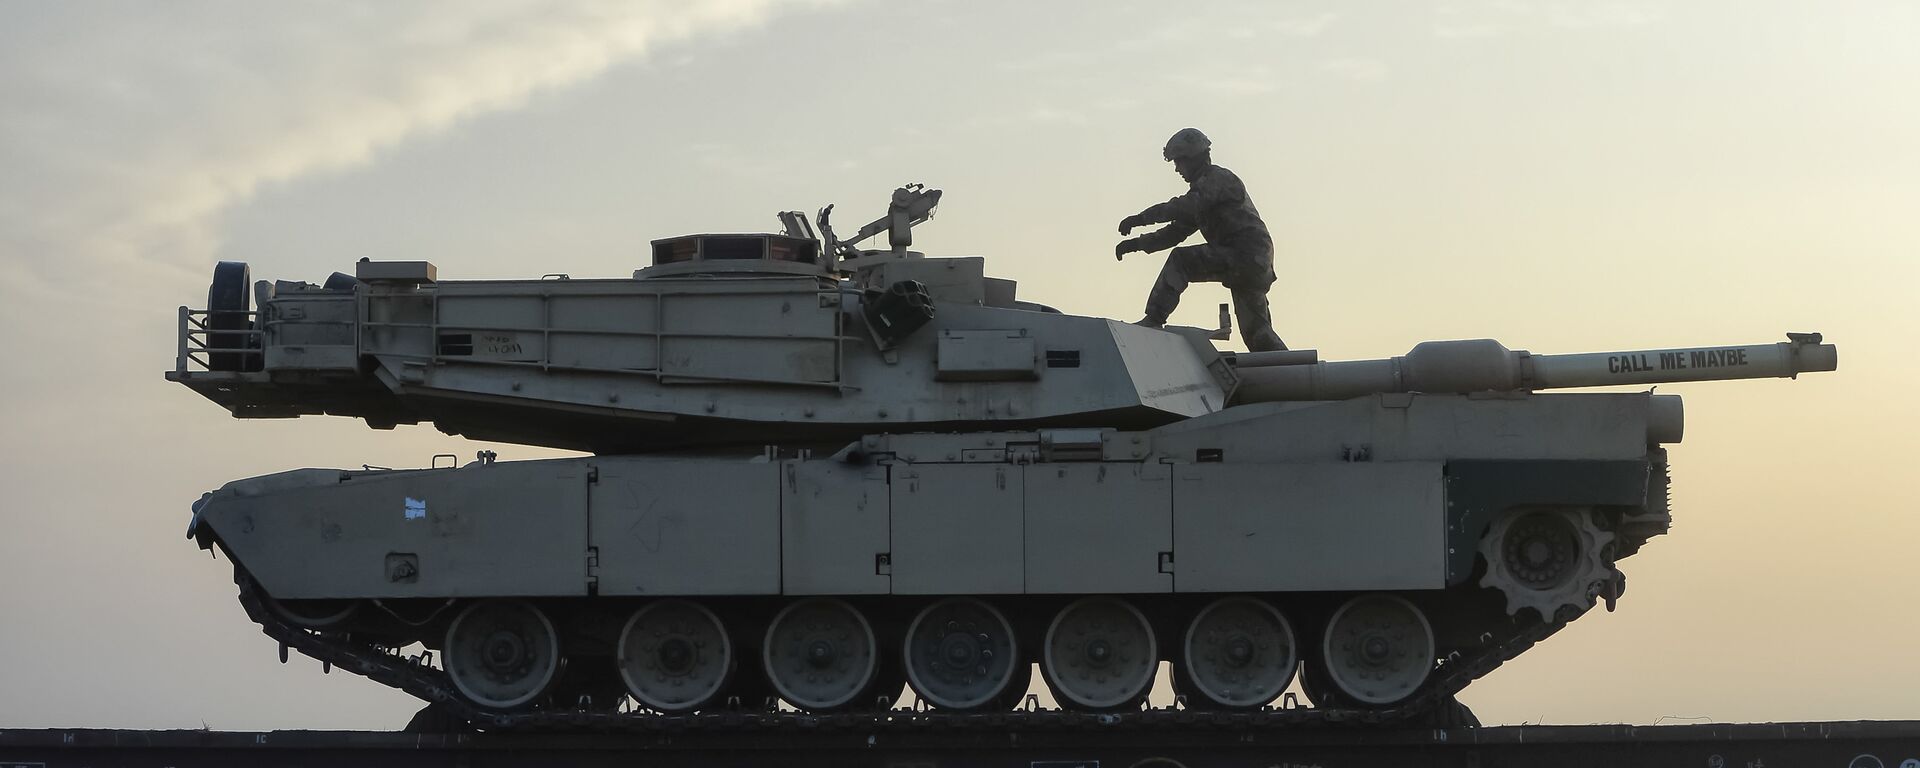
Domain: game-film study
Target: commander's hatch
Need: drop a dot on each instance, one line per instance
(714, 254)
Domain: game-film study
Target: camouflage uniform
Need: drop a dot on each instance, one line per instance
(1238, 252)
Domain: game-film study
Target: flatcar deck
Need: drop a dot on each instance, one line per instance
(1873, 744)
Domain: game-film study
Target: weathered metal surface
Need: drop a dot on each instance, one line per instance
(685, 527)
(835, 529)
(440, 533)
(1331, 526)
(958, 529)
(911, 515)
(969, 355)
(1098, 527)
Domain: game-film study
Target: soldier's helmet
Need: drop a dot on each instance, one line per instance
(1188, 142)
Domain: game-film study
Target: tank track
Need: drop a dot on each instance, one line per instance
(417, 677)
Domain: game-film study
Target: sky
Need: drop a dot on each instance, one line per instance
(1561, 176)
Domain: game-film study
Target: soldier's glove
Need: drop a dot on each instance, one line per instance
(1127, 224)
(1123, 248)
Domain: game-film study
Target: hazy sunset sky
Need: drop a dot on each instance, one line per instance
(1561, 176)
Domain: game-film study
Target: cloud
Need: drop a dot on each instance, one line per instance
(1236, 86)
(1246, 81)
(1479, 19)
(1303, 26)
(1494, 18)
(1203, 24)
(130, 128)
(1602, 15)
(1363, 70)
(1029, 116)
(1048, 61)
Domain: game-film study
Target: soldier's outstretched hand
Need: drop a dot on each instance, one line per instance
(1127, 224)
(1123, 248)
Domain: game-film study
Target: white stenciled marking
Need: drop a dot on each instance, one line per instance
(416, 508)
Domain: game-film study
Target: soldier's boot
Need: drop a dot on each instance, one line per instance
(1256, 321)
(1265, 340)
(1160, 306)
(1165, 296)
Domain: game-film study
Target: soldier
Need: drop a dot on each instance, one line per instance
(1238, 252)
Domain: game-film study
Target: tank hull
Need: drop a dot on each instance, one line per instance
(1305, 512)
(1369, 494)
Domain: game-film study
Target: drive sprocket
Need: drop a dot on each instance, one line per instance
(1547, 559)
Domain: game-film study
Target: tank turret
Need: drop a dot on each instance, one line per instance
(824, 475)
(756, 339)
(727, 339)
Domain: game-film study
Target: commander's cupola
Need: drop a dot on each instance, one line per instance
(744, 254)
(800, 251)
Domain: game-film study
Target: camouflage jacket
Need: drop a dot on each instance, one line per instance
(1215, 205)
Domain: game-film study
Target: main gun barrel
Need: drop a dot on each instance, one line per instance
(1485, 365)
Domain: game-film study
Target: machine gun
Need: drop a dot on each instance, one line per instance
(911, 205)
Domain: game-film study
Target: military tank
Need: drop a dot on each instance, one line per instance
(818, 475)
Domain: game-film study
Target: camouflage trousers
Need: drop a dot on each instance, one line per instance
(1247, 275)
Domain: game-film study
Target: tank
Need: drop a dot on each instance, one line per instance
(820, 475)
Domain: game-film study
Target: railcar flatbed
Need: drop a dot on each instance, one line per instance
(1851, 744)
